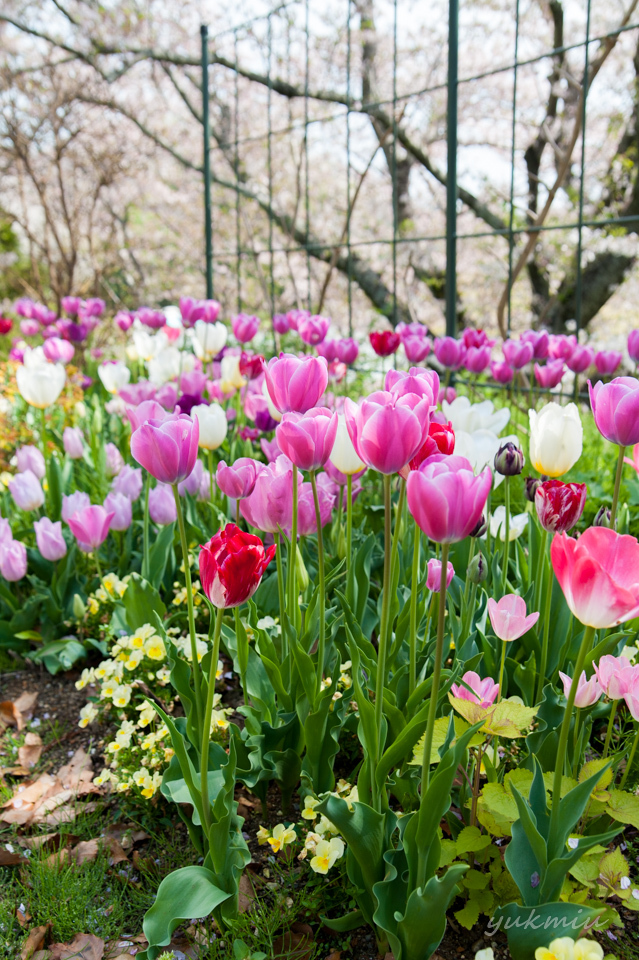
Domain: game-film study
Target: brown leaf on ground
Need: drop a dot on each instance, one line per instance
(58, 859)
(335, 955)
(30, 753)
(44, 841)
(85, 851)
(40, 801)
(84, 946)
(10, 859)
(295, 944)
(15, 713)
(247, 894)
(24, 705)
(116, 852)
(35, 941)
(14, 772)
(23, 918)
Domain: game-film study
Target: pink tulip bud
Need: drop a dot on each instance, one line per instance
(280, 323)
(483, 692)
(13, 560)
(72, 442)
(450, 352)
(387, 430)
(57, 350)
(614, 676)
(30, 458)
(244, 327)
(416, 348)
(446, 499)
(581, 359)
(313, 329)
(477, 359)
(49, 539)
(551, 375)
(26, 490)
(296, 384)
(422, 383)
(508, 617)
(307, 439)
(327, 349)
(29, 328)
(501, 372)
(615, 407)
(120, 507)
(73, 503)
(124, 320)
(162, 509)
(518, 353)
(561, 347)
(476, 339)
(434, 576)
(167, 448)
(588, 691)
(540, 341)
(347, 350)
(607, 361)
(72, 305)
(90, 527)
(128, 482)
(237, 481)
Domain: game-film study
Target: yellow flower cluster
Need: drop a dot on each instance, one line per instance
(138, 758)
(565, 948)
(111, 589)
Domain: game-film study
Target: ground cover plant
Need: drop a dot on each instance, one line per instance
(352, 648)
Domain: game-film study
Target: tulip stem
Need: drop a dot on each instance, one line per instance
(292, 578)
(414, 590)
(575, 741)
(280, 591)
(631, 757)
(211, 482)
(615, 496)
(321, 649)
(43, 439)
(349, 538)
(540, 567)
(206, 728)
(398, 526)
(383, 632)
(189, 602)
(504, 573)
(584, 650)
(471, 555)
(97, 565)
(611, 723)
(432, 708)
(546, 635)
(145, 543)
(501, 669)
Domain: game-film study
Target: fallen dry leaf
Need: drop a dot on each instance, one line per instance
(295, 944)
(40, 801)
(85, 851)
(14, 772)
(247, 894)
(57, 859)
(46, 841)
(84, 946)
(116, 851)
(30, 753)
(25, 704)
(335, 955)
(35, 941)
(10, 859)
(22, 918)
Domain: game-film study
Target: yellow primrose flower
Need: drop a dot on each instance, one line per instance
(326, 853)
(163, 675)
(147, 714)
(88, 713)
(219, 673)
(342, 786)
(280, 837)
(132, 660)
(121, 696)
(86, 677)
(168, 753)
(351, 797)
(123, 786)
(326, 682)
(93, 606)
(308, 813)
(263, 835)
(140, 776)
(115, 746)
(109, 688)
(138, 639)
(101, 595)
(588, 950)
(325, 826)
(103, 777)
(563, 948)
(154, 648)
(180, 597)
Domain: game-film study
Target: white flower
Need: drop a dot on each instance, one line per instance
(272, 409)
(88, 713)
(40, 383)
(114, 375)
(556, 438)
(518, 524)
(343, 455)
(230, 373)
(485, 954)
(147, 345)
(208, 339)
(480, 448)
(477, 416)
(624, 883)
(167, 365)
(213, 425)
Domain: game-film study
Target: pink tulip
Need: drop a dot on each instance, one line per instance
(29, 328)
(501, 372)
(581, 359)
(446, 393)
(387, 430)
(237, 481)
(280, 323)
(26, 490)
(90, 527)
(631, 696)
(57, 350)
(540, 342)
(477, 359)
(561, 347)
(613, 676)
(162, 509)
(615, 407)
(607, 361)
(476, 339)
(73, 503)
(167, 448)
(445, 497)
(270, 505)
(508, 617)
(408, 330)
(518, 353)
(347, 350)
(307, 439)
(588, 691)
(295, 316)
(449, 352)
(94, 307)
(146, 410)
(313, 330)
(72, 305)
(416, 348)
(129, 482)
(5, 531)
(13, 560)
(113, 459)
(296, 384)
(599, 575)
(633, 345)
(270, 449)
(120, 506)
(327, 349)
(72, 442)
(137, 393)
(422, 383)
(245, 327)
(49, 539)
(193, 383)
(483, 692)
(434, 575)
(193, 482)
(551, 375)
(30, 458)
(123, 320)
(635, 458)
(306, 519)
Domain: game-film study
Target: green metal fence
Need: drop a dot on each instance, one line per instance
(255, 58)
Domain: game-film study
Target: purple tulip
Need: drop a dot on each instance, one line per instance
(57, 350)
(153, 319)
(124, 320)
(280, 323)
(26, 490)
(167, 448)
(51, 543)
(581, 359)
(633, 345)
(13, 560)
(128, 482)
(114, 460)
(313, 329)
(90, 527)
(72, 305)
(238, 480)
(167, 397)
(162, 509)
(540, 341)
(607, 361)
(551, 375)
(518, 353)
(72, 441)
(73, 503)
(477, 359)
(615, 407)
(244, 327)
(501, 371)
(30, 458)
(347, 350)
(193, 382)
(416, 348)
(449, 352)
(120, 506)
(561, 347)
(327, 349)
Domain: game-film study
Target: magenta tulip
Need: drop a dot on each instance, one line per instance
(416, 348)
(581, 359)
(518, 353)
(561, 347)
(449, 352)
(57, 350)
(307, 439)
(615, 407)
(508, 617)
(477, 359)
(120, 506)
(129, 482)
(434, 575)
(313, 329)
(613, 674)
(244, 327)
(476, 339)
(123, 320)
(599, 575)
(387, 430)
(588, 691)
(446, 499)
(501, 372)
(270, 449)
(167, 448)
(72, 442)
(280, 323)
(237, 480)
(13, 560)
(347, 350)
(483, 692)
(422, 383)
(73, 503)
(540, 341)
(162, 509)
(72, 305)
(30, 458)
(607, 361)
(633, 345)
(296, 384)
(270, 506)
(90, 527)
(26, 490)
(146, 410)
(551, 375)
(327, 349)
(49, 539)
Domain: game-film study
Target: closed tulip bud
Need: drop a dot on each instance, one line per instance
(434, 575)
(90, 527)
(26, 491)
(232, 564)
(530, 488)
(341, 543)
(560, 505)
(120, 506)
(72, 442)
(13, 560)
(162, 509)
(78, 607)
(167, 448)
(301, 573)
(602, 517)
(213, 425)
(509, 460)
(343, 455)
(51, 543)
(480, 529)
(556, 438)
(477, 569)
(114, 460)
(30, 458)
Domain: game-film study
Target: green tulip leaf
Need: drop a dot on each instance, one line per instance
(185, 893)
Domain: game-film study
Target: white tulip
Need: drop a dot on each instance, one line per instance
(343, 455)
(517, 524)
(114, 375)
(230, 376)
(556, 438)
(480, 448)
(146, 344)
(213, 425)
(272, 409)
(476, 416)
(169, 364)
(208, 339)
(40, 383)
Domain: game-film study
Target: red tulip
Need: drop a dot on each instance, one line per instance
(5, 325)
(559, 505)
(384, 342)
(599, 575)
(440, 439)
(232, 564)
